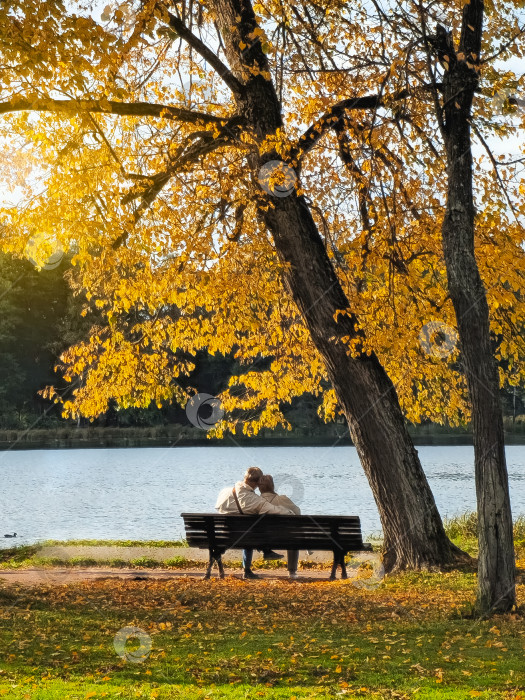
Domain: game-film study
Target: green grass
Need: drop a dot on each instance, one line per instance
(113, 543)
(75, 691)
(412, 638)
(87, 562)
(233, 640)
(30, 557)
(466, 525)
(141, 562)
(463, 531)
(17, 556)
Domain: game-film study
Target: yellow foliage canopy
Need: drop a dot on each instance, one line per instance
(123, 146)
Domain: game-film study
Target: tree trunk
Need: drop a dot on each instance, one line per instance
(496, 572)
(414, 533)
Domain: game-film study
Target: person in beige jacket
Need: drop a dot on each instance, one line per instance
(242, 499)
(267, 489)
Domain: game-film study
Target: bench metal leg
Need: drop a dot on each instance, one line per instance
(334, 566)
(344, 575)
(215, 556)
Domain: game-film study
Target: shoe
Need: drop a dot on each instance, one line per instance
(293, 574)
(249, 574)
(270, 555)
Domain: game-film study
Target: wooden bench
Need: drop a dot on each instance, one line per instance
(216, 532)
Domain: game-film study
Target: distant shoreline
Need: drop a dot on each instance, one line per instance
(104, 438)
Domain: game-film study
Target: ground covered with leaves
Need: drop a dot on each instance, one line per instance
(414, 636)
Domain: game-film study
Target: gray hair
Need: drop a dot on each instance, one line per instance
(266, 483)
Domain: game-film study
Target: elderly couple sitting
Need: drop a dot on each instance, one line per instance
(242, 499)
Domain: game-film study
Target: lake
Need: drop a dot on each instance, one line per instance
(139, 493)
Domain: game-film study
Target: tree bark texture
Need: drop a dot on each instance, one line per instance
(496, 566)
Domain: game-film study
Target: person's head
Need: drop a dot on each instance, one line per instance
(266, 484)
(253, 476)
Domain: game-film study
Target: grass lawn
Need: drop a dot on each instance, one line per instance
(115, 543)
(411, 637)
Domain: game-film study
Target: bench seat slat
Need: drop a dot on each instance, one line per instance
(276, 543)
(276, 535)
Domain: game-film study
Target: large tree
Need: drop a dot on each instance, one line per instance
(158, 134)
(496, 571)
(456, 51)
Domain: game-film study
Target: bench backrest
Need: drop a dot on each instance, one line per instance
(316, 532)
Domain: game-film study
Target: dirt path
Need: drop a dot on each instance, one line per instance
(58, 576)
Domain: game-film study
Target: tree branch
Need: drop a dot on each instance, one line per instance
(328, 121)
(207, 143)
(504, 47)
(207, 54)
(364, 198)
(128, 109)
(330, 118)
(495, 165)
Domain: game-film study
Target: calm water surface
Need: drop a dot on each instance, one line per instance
(139, 493)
